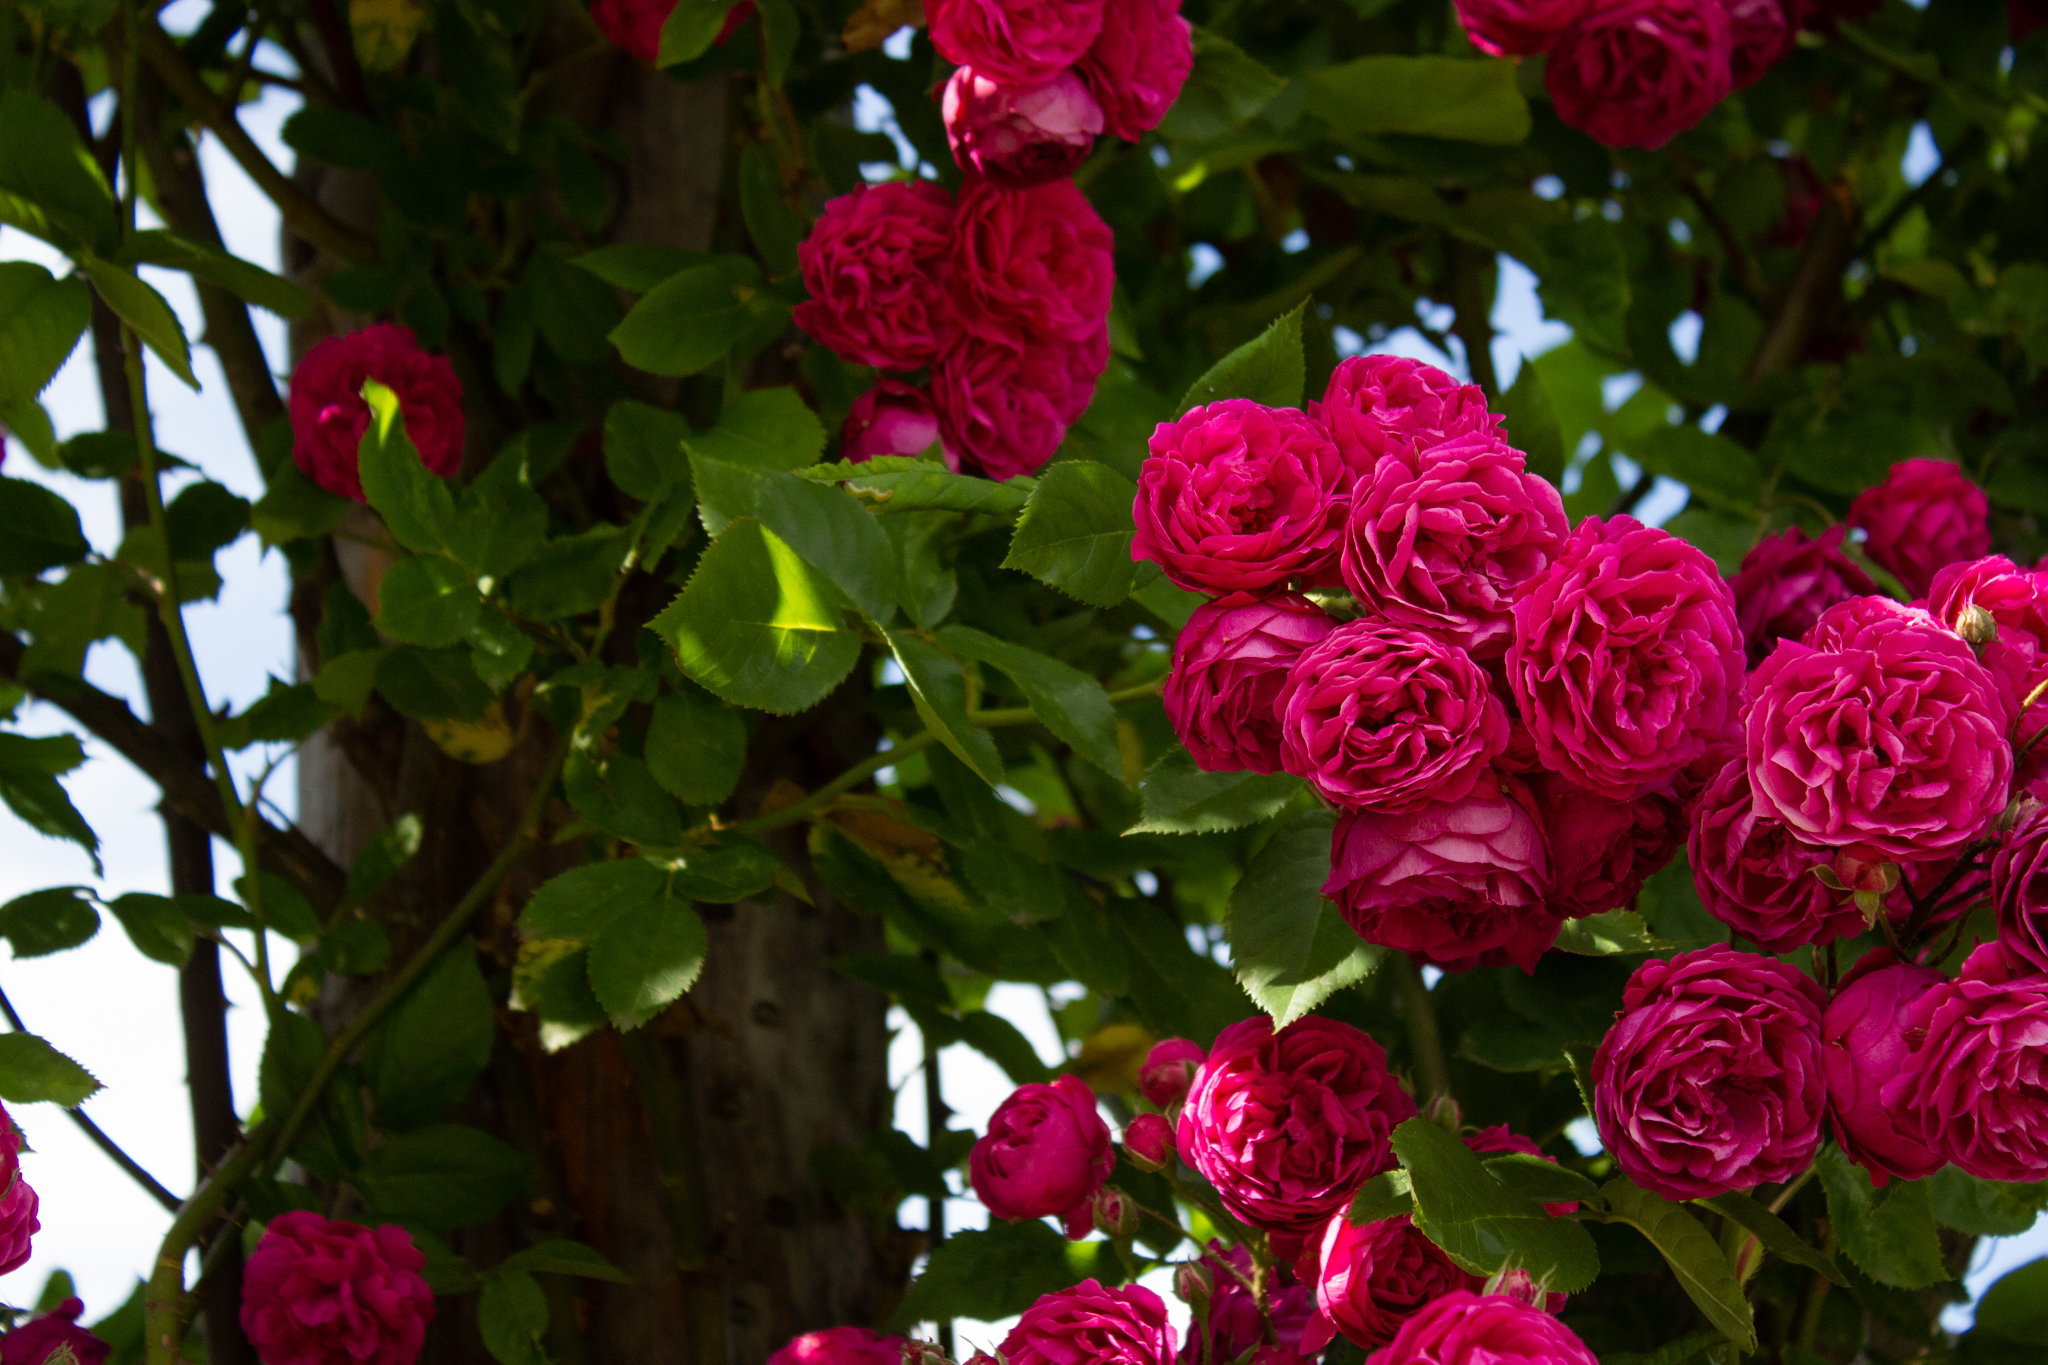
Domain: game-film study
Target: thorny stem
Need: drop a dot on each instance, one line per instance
(164, 1300)
(1432, 1070)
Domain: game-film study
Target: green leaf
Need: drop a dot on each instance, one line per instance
(730, 869)
(690, 320)
(1541, 1179)
(443, 1177)
(427, 600)
(1702, 1270)
(431, 684)
(988, 1274)
(432, 1048)
(512, 1316)
(203, 519)
(551, 980)
(825, 526)
(905, 483)
(1225, 90)
(999, 1040)
(285, 714)
(696, 746)
(1387, 1195)
(251, 283)
(285, 911)
(1710, 464)
(295, 508)
(415, 503)
(643, 449)
(1482, 1224)
(559, 1257)
(758, 626)
(1179, 798)
(1532, 425)
(156, 925)
(41, 320)
(477, 63)
(579, 903)
(38, 529)
(1984, 1208)
(637, 266)
(25, 420)
(645, 959)
(49, 183)
(1778, 1238)
(766, 428)
(146, 313)
(1449, 97)
(1075, 533)
(33, 1072)
(2015, 1308)
(770, 221)
(1888, 1233)
(29, 768)
(1066, 701)
(45, 922)
(618, 795)
(938, 689)
(570, 575)
(499, 522)
(388, 850)
(1586, 285)
(688, 31)
(1289, 946)
(1614, 933)
(1268, 369)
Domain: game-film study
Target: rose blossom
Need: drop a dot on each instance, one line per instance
(1787, 581)
(1031, 264)
(32, 1341)
(1463, 1328)
(892, 418)
(317, 1292)
(2019, 888)
(1137, 66)
(1170, 1066)
(1148, 1142)
(18, 1203)
(1015, 42)
(1974, 1089)
(1369, 1278)
(1046, 1152)
(1926, 514)
(1234, 1325)
(1636, 73)
(1517, 28)
(1229, 666)
(1004, 412)
(1460, 885)
(1754, 877)
(329, 414)
(1760, 36)
(1882, 729)
(1380, 405)
(1443, 548)
(1287, 1126)
(1090, 1325)
(841, 1346)
(1863, 1046)
(635, 25)
(1376, 717)
(1237, 496)
(877, 263)
(1710, 1079)
(2013, 602)
(1019, 136)
(1603, 850)
(1627, 659)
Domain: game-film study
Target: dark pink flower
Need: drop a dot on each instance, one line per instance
(877, 264)
(1148, 1142)
(1031, 264)
(1170, 1068)
(1369, 1278)
(1443, 546)
(892, 418)
(1136, 68)
(1760, 35)
(1090, 1325)
(1004, 412)
(1019, 136)
(2019, 888)
(1229, 667)
(18, 1203)
(841, 1346)
(1287, 1126)
(1518, 28)
(1627, 659)
(1380, 405)
(318, 1292)
(1377, 717)
(1603, 850)
(1754, 877)
(1710, 1079)
(1925, 515)
(1463, 1328)
(1237, 497)
(1015, 42)
(636, 25)
(1863, 1046)
(329, 415)
(2013, 603)
(1787, 581)
(1235, 1325)
(31, 1342)
(1636, 73)
(1046, 1152)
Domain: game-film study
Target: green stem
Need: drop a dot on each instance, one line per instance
(164, 1300)
(1424, 1040)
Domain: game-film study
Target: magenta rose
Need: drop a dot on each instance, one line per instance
(1754, 877)
(1090, 1325)
(329, 415)
(1169, 1069)
(841, 1346)
(1882, 729)
(1369, 1278)
(1240, 497)
(892, 418)
(1287, 1126)
(1603, 850)
(1974, 1086)
(1031, 264)
(1460, 885)
(1787, 581)
(1636, 73)
(2013, 603)
(2019, 888)
(1014, 42)
(1710, 1079)
(1004, 412)
(1760, 35)
(1229, 667)
(1380, 405)
(1235, 1325)
(877, 263)
(1627, 659)
(1463, 1328)
(18, 1204)
(320, 1292)
(1518, 28)
(1046, 1152)
(1443, 547)
(1148, 1141)
(1136, 68)
(1924, 516)
(1019, 136)
(31, 1342)
(1377, 717)
(635, 25)
(1863, 1046)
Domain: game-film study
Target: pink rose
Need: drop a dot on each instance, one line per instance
(1518, 28)
(2013, 602)
(1380, 405)
(18, 1203)
(1760, 36)
(1926, 514)
(1863, 1046)
(1229, 666)
(841, 1346)
(1031, 264)
(1376, 717)
(1369, 1278)
(1460, 885)
(1787, 581)
(1171, 1065)
(1136, 68)
(892, 418)
(1603, 850)
(1237, 496)
(1004, 412)
(1090, 1325)
(1442, 547)
(1287, 1126)
(32, 1341)
(1015, 136)
(1046, 1152)
(2019, 888)
(1754, 877)
(1014, 42)
(635, 25)
(317, 1292)
(1636, 73)
(1148, 1142)
(1710, 1079)
(1627, 660)
(1463, 1328)
(1235, 1324)
(1882, 729)
(1974, 1087)
(876, 263)
(329, 415)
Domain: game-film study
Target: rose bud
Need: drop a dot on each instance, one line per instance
(1193, 1282)
(1090, 1325)
(892, 418)
(329, 415)
(1148, 1142)
(1046, 1152)
(1019, 137)
(1863, 1046)
(917, 1352)
(1114, 1212)
(1495, 1328)
(1924, 516)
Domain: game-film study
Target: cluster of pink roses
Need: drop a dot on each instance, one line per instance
(1636, 73)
